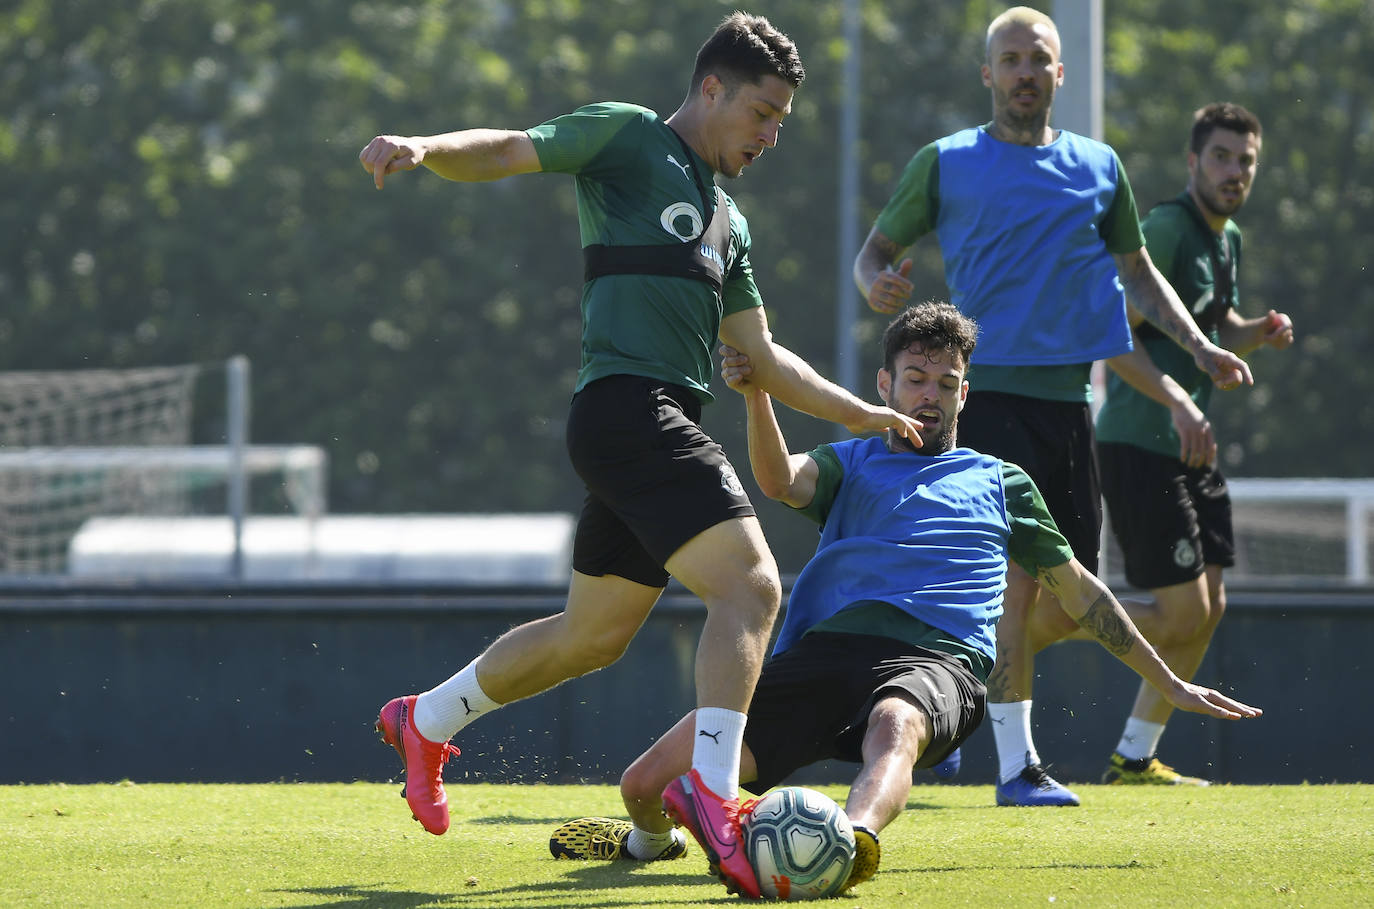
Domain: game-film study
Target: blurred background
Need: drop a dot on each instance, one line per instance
(193, 260)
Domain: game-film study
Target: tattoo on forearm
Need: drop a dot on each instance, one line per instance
(886, 246)
(1105, 621)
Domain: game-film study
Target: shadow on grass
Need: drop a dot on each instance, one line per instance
(1052, 866)
(622, 885)
(521, 820)
(364, 897)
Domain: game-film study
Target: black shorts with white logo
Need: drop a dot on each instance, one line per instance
(813, 701)
(1052, 441)
(1171, 520)
(654, 478)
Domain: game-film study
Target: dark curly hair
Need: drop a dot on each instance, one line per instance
(931, 326)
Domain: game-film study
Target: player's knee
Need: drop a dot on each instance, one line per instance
(589, 649)
(1195, 618)
(755, 598)
(640, 786)
(895, 726)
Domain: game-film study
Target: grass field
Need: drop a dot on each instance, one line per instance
(354, 845)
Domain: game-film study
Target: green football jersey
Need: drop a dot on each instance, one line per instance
(638, 184)
(1187, 254)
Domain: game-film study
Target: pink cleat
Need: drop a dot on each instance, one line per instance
(715, 824)
(424, 763)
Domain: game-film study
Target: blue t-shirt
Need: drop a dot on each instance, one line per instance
(929, 535)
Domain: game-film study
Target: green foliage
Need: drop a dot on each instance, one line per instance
(182, 184)
(223, 847)
(1309, 224)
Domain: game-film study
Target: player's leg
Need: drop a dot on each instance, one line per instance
(731, 569)
(898, 733)
(1171, 522)
(637, 445)
(670, 756)
(924, 704)
(648, 835)
(1134, 760)
(1052, 442)
(601, 617)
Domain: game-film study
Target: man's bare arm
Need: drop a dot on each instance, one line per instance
(467, 156)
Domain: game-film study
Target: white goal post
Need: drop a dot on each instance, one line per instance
(80, 444)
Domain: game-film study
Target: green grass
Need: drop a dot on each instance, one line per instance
(354, 845)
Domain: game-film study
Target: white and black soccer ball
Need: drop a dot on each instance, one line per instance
(800, 844)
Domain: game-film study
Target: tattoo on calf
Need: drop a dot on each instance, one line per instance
(997, 686)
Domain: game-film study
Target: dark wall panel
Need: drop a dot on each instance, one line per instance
(284, 685)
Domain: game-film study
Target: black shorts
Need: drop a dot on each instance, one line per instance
(654, 479)
(1052, 441)
(1171, 520)
(813, 700)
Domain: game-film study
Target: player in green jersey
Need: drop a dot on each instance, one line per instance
(1041, 244)
(667, 273)
(1167, 498)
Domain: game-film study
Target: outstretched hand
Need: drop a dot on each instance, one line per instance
(1197, 699)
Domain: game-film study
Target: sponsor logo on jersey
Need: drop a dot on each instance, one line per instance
(681, 167)
(709, 252)
(676, 212)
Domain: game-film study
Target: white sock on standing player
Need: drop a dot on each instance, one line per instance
(1139, 739)
(716, 749)
(1011, 728)
(451, 705)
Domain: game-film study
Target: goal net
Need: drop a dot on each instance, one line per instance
(80, 444)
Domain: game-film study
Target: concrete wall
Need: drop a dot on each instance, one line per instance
(242, 684)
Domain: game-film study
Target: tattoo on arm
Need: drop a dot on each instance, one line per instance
(1104, 620)
(886, 246)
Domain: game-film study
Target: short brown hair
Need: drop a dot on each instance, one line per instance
(1221, 115)
(744, 49)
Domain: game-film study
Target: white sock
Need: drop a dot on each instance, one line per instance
(1139, 739)
(451, 705)
(646, 846)
(716, 749)
(1011, 728)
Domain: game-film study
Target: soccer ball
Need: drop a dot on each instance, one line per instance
(800, 844)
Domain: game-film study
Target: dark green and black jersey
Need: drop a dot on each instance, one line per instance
(638, 185)
(1188, 255)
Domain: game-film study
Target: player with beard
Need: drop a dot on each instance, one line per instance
(1042, 246)
(1168, 501)
(890, 628)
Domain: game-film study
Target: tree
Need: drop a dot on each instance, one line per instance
(181, 184)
